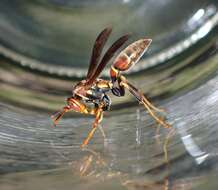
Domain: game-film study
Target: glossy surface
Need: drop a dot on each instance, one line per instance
(66, 30)
(130, 157)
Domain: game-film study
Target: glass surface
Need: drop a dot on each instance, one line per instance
(66, 30)
(179, 75)
(35, 155)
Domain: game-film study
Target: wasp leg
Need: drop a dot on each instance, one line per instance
(152, 106)
(98, 119)
(166, 142)
(160, 121)
(73, 104)
(58, 115)
(141, 98)
(77, 106)
(120, 91)
(140, 95)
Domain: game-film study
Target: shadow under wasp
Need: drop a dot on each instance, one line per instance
(94, 90)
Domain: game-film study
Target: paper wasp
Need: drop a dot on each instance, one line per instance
(94, 90)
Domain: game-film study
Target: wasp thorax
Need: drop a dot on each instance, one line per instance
(80, 89)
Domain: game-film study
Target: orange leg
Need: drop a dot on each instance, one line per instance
(166, 142)
(151, 105)
(123, 83)
(138, 94)
(98, 119)
(160, 121)
(141, 98)
(58, 115)
(76, 105)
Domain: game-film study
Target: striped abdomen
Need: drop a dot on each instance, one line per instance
(129, 56)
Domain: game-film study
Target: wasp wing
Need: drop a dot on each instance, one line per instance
(97, 49)
(108, 55)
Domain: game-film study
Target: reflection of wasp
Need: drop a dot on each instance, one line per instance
(93, 89)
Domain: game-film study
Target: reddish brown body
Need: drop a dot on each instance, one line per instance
(93, 89)
(129, 56)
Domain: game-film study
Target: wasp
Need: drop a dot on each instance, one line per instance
(93, 90)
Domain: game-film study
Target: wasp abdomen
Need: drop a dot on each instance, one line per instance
(131, 54)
